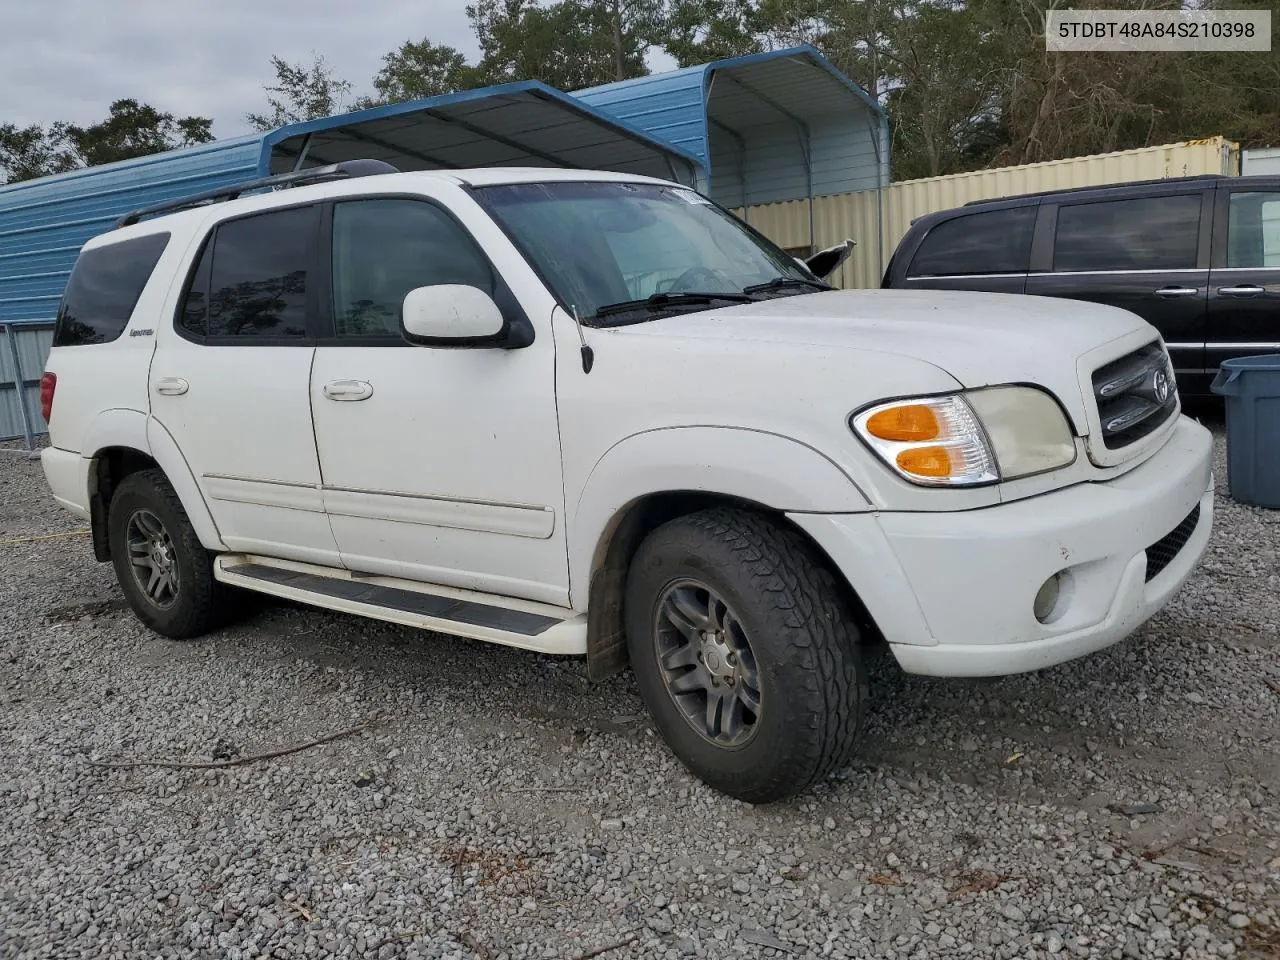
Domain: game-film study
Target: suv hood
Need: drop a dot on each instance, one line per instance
(980, 339)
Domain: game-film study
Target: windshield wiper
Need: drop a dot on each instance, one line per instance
(781, 283)
(683, 298)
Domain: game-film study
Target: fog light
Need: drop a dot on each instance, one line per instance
(1046, 600)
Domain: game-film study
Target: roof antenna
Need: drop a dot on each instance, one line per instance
(588, 355)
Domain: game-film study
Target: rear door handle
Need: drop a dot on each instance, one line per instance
(348, 390)
(1171, 292)
(172, 386)
(1244, 290)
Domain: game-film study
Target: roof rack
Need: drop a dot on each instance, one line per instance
(1100, 186)
(333, 171)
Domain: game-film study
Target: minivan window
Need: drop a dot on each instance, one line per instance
(384, 248)
(251, 283)
(996, 241)
(104, 288)
(1253, 230)
(1143, 233)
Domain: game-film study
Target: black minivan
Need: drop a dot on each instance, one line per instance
(1197, 257)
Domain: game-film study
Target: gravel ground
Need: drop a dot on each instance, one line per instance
(1124, 805)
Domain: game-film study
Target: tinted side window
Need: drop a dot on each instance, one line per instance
(998, 241)
(194, 315)
(258, 276)
(1145, 233)
(382, 249)
(1253, 230)
(104, 287)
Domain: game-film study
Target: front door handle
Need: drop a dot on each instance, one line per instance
(348, 390)
(1244, 290)
(172, 386)
(1172, 292)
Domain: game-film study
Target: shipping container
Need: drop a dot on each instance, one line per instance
(857, 215)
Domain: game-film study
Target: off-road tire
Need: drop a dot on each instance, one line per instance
(803, 635)
(201, 603)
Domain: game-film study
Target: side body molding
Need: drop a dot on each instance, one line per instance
(765, 468)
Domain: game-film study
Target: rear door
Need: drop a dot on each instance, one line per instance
(1145, 253)
(1244, 284)
(229, 381)
(987, 250)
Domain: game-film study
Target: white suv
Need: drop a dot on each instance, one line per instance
(594, 414)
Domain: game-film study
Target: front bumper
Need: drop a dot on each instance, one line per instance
(953, 592)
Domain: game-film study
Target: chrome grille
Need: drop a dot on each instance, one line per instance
(1135, 395)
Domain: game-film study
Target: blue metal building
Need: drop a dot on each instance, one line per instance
(44, 222)
(775, 126)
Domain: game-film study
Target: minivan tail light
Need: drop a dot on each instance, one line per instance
(48, 384)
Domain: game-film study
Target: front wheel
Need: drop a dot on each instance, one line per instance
(745, 652)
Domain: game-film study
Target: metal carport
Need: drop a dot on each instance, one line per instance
(516, 124)
(44, 222)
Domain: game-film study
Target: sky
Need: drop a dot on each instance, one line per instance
(67, 60)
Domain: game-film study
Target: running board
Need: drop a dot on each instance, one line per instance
(461, 613)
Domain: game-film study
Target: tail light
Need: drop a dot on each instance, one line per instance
(48, 383)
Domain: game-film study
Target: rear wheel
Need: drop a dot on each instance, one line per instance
(165, 572)
(745, 653)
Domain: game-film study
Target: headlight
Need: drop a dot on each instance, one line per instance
(972, 438)
(1026, 428)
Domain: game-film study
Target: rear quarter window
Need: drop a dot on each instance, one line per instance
(996, 241)
(104, 288)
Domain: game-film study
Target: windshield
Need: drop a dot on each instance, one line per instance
(609, 243)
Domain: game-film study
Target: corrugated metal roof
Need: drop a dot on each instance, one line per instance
(516, 124)
(43, 223)
(667, 105)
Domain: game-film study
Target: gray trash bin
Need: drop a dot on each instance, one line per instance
(1251, 386)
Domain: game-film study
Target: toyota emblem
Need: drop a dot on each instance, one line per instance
(1160, 384)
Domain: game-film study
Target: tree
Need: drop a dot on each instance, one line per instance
(634, 25)
(569, 44)
(134, 129)
(422, 69)
(131, 129)
(933, 65)
(301, 93)
(698, 31)
(33, 151)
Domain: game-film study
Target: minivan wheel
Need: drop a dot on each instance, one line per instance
(165, 572)
(745, 652)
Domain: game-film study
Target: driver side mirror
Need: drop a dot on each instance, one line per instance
(823, 263)
(451, 315)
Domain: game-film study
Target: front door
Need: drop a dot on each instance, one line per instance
(229, 382)
(1148, 255)
(1244, 285)
(439, 464)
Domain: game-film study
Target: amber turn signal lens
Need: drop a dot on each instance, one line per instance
(908, 423)
(926, 461)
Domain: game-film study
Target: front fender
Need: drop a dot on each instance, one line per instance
(765, 468)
